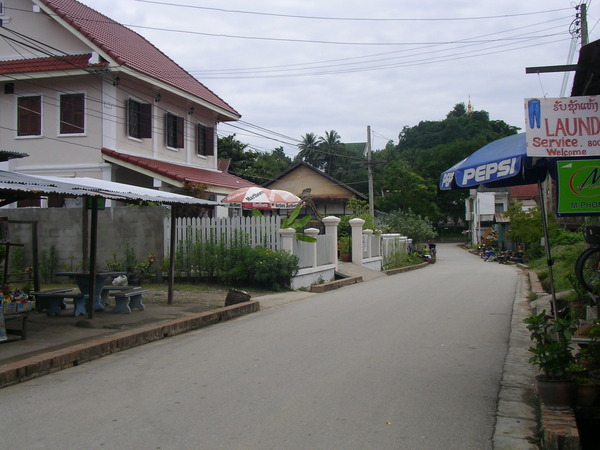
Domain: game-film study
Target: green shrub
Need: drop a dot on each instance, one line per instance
(401, 259)
(563, 257)
(237, 264)
(274, 269)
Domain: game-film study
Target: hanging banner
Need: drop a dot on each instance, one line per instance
(578, 187)
(562, 127)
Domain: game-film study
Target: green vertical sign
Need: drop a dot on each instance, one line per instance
(578, 187)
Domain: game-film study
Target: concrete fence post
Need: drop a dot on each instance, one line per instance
(331, 230)
(357, 250)
(287, 239)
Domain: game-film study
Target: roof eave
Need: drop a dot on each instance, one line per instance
(147, 172)
(224, 115)
(43, 74)
(170, 180)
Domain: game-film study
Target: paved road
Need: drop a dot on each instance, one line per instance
(411, 361)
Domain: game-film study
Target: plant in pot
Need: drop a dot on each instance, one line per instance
(588, 390)
(345, 246)
(553, 355)
(589, 355)
(143, 269)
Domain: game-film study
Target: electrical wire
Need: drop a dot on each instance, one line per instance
(367, 58)
(354, 19)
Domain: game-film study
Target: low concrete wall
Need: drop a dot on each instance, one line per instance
(307, 277)
(335, 284)
(375, 263)
(141, 227)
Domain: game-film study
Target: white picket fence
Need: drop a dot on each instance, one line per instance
(316, 261)
(256, 231)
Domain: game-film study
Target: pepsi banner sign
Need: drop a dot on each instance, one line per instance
(484, 173)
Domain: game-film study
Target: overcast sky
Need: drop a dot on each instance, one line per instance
(291, 67)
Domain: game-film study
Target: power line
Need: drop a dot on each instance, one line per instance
(368, 58)
(305, 41)
(418, 62)
(354, 19)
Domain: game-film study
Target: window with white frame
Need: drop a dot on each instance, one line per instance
(29, 115)
(139, 119)
(72, 113)
(205, 140)
(174, 130)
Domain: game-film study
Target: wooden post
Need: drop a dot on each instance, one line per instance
(172, 255)
(93, 251)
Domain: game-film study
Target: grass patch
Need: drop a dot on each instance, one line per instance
(564, 257)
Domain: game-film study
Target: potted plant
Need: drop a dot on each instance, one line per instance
(345, 247)
(588, 390)
(553, 355)
(589, 337)
(144, 268)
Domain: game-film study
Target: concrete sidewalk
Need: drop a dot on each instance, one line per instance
(60, 342)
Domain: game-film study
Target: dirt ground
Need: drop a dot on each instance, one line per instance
(211, 296)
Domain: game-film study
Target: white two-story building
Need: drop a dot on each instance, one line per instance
(84, 96)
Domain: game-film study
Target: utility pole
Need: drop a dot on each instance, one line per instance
(370, 171)
(584, 25)
(584, 41)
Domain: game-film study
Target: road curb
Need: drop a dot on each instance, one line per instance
(320, 288)
(516, 415)
(75, 355)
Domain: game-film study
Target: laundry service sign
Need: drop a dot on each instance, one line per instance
(563, 127)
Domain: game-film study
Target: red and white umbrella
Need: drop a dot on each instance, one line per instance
(257, 197)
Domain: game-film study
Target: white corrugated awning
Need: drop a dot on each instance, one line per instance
(80, 187)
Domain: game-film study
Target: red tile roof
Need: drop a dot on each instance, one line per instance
(47, 64)
(128, 48)
(182, 174)
(527, 191)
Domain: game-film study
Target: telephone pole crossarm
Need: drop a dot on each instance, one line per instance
(549, 69)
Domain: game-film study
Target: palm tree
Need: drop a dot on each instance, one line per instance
(309, 150)
(330, 144)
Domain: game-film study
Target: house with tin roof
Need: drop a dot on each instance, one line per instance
(85, 96)
(323, 194)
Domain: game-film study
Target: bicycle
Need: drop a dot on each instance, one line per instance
(587, 265)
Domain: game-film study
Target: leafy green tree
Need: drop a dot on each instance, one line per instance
(360, 210)
(400, 187)
(350, 167)
(268, 165)
(242, 159)
(527, 228)
(459, 111)
(331, 146)
(410, 224)
(309, 151)
(257, 167)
